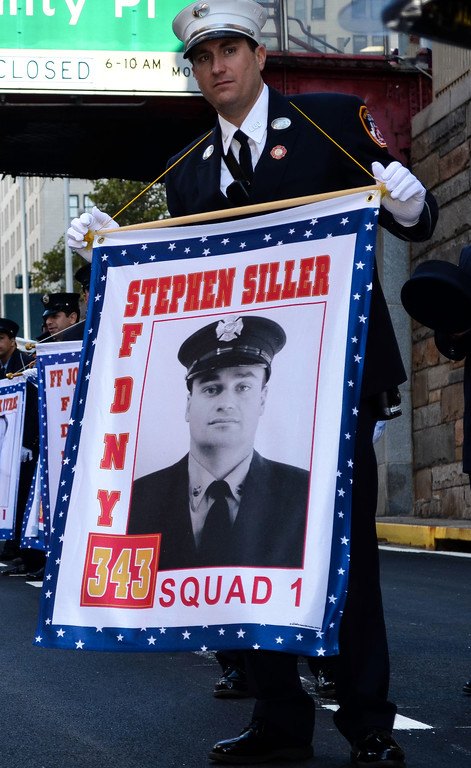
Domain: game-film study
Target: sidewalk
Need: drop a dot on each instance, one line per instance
(434, 534)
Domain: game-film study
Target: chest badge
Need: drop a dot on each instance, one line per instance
(278, 152)
(208, 152)
(280, 123)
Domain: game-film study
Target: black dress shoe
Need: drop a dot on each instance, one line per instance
(467, 687)
(232, 685)
(258, 744)
(16, 570)
(377, 750)
(36, 575)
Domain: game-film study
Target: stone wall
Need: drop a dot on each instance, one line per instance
(440, 157)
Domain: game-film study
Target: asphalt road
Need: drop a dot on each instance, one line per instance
(79, 709)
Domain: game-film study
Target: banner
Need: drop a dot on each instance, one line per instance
(230, 351)
(12, 413)
(58, 365)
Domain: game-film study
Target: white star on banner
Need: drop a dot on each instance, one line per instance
(79, 645)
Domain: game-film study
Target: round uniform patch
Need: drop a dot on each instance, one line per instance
(278, 152)
(371, 128)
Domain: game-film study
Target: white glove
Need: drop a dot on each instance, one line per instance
(405, 195)
(26, 454)
(380, 426)
(87, 222)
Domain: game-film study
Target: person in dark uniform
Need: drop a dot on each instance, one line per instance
(13, 360)
(451, 320)
(261, 518)
(75, 332)
(61, 311)
(263, 149)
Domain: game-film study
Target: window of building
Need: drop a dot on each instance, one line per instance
(359, 9)
(376, 8)
(87, 204)
(317, 9)
(359, 42)
(319, 42)
(73, 206)
(378, 41)
(300, 10)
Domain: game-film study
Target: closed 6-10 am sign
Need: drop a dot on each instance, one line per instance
(81, 46)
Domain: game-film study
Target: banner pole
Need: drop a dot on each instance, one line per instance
(241, 211)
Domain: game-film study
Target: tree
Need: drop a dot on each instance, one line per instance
(48, 275)
(110, 195)
(113, 194)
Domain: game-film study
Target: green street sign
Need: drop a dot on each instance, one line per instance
(90, 46)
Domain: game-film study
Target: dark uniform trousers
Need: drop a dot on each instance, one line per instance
(310, 165)
(362, 669)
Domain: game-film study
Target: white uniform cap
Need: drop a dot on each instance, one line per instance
(219, 18)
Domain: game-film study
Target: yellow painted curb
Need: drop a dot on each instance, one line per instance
(419, 535)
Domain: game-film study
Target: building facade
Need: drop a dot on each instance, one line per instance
(440, 155)
(32, 219)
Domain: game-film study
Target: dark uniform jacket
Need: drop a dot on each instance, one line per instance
(457, 348)
(269, 529)
(311, 165)
(18, 362)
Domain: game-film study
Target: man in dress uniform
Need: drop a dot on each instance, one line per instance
(263, 149)
(13, 360)
(223, 503)
(61, 311)
(75, 332)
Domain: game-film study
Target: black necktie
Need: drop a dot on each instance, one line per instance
(245, 155)
(215, 541)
